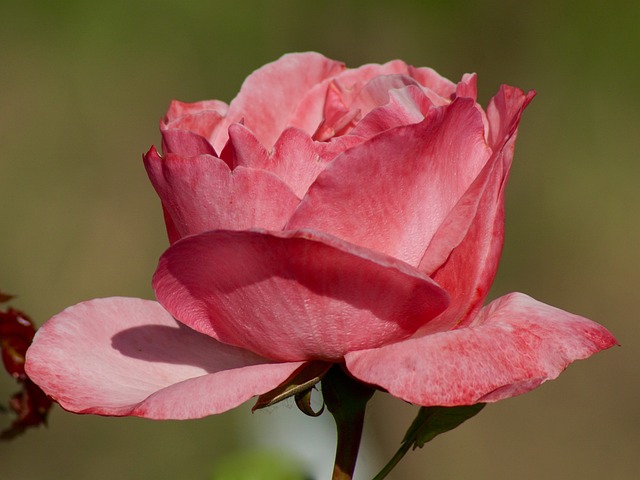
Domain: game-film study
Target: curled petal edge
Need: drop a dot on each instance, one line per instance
(514, 345)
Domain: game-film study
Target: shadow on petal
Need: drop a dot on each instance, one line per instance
(180, 345)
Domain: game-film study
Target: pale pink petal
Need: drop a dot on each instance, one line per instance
(270, 95)
(309, 112)
(354, 80)
(442, 88)
(376, 92)
(340, 119)
(392, 192)
(406, 106)
(201, 193)
(515, 344)
(178, 110)
(127, 356)
(293, 295)
(337, 118)
(205, 119)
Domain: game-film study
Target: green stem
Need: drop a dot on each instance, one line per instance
(404, 448)
(346, 399)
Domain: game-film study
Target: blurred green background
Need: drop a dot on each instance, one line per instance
(83, 85)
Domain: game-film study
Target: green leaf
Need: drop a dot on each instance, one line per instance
(432, 421)
(428, 424)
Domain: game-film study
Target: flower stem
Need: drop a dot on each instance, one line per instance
(346, 399)
(404, 448)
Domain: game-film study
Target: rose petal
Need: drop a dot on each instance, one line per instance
(468, 86)
(376, 92)
(504, 112)
(201, 193)
(392, 192)
(294, 158)
(244, 149)
(180, 110)
(354, 80)
(464, 253)
(127, 356)
(337, 117)
(205, 119)
(515, 344)
(406, 106)
(270, 95)
(309, 113)
(439, 89)
(186, 143)
(293, 295)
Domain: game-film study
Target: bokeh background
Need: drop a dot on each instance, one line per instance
(83, 85)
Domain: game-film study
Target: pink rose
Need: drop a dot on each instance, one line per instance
(350, 216)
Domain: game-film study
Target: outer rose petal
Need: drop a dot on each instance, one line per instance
(201, 193)
(464, 253)
(514, 344)
(293, 295)
(392, 192)
(127, 356)
(186, 143)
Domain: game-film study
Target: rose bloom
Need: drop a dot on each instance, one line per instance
(345, 216)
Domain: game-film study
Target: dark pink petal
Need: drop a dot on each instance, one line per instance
(515, 344)
(464, 253)
(336, 145)
(244, 149)
(293, 295)
(127, 356)
(201, 193)
(186, 143)
(503, 113)
(294, 158)
(392, 192)
(270, 95)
